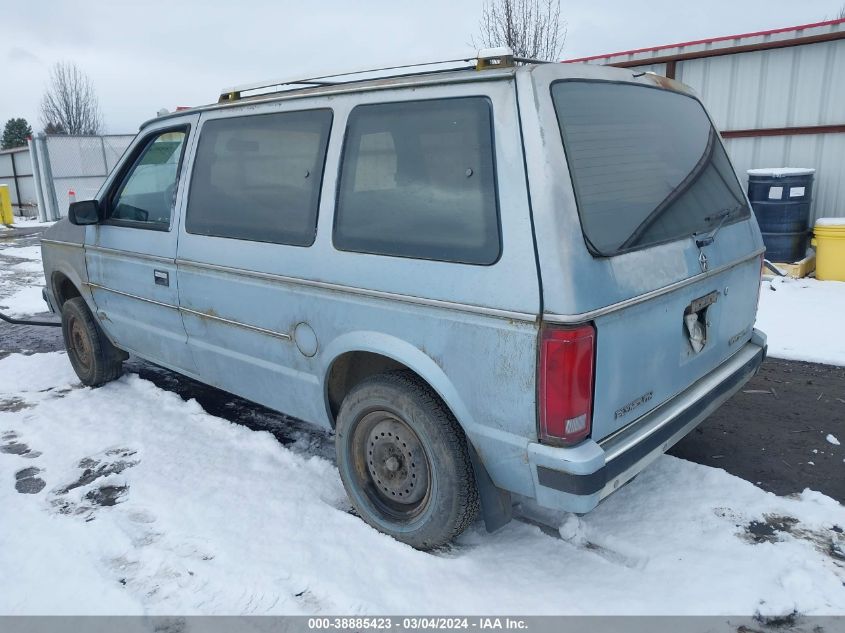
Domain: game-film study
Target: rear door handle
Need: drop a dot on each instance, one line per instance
(162, 277)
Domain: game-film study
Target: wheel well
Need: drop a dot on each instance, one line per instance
(351, 368)
(64, 289)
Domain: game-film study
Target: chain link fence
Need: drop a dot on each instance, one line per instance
(64, 163)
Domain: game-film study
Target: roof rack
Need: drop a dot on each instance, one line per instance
(502, 57)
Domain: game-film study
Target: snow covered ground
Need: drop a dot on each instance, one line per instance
(803, 319)
(127, 499)
(139, 502)
(22, 222)
(21, 278)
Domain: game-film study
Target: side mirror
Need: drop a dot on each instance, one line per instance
(84, 212)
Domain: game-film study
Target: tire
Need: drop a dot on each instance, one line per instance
(404, 462)
(94, 359)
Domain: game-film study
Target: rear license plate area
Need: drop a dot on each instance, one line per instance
(696, 323)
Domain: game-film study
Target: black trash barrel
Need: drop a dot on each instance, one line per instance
(781, 200)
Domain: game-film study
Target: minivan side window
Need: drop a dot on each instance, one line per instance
(147, 193)
(258, 177)
(418, 180)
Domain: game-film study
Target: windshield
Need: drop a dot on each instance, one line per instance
(646, 164)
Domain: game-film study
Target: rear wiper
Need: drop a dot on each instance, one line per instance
(722, 216)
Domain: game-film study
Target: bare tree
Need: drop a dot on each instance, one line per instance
(70, 105)
(531, 28)
(839, 15)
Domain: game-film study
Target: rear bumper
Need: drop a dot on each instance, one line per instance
(576, 479)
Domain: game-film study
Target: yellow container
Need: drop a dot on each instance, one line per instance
(829, 240)
(6, 216)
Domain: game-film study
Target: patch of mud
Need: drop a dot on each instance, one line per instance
(27, 482)
(770, 529)
(14, 404)
(11, 446)
(18, 448)
(107, 496)
(776, 528)
(94, 469)
(111, 462)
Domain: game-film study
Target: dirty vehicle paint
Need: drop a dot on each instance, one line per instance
(294, 319)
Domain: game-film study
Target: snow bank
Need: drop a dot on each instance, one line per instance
(830, 222)
(210, 517)
(21, 280)
(803, 319)
(21, 277)
(32, 253)
(21, 222)
(24, 302)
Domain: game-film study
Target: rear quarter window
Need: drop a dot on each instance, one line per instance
(418, 180)
(646, 164)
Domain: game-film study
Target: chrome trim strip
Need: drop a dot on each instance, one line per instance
(379, 294)
(129, 254)
(281, 335)
(130, 295)
(627, 303)
(62, 243)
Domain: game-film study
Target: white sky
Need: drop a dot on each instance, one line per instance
(147, 54)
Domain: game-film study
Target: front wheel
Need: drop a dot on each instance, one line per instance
(404, 462)
(94, 359)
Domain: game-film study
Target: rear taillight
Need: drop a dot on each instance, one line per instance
(566, 384)
(760, 281)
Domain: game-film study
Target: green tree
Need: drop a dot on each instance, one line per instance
(15, 133)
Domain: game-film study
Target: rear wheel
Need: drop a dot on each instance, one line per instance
(94, 359)
(403, 460)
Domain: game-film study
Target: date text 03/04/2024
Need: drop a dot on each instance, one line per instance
(420, 623)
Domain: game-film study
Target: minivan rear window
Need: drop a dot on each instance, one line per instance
(418, 180)
(646, 164)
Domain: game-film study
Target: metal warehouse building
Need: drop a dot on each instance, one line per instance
(778, 96)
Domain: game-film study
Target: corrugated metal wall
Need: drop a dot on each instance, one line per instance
(16, 171)
(791, 87)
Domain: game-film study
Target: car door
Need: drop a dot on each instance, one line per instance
(252, 208)
(131, 258)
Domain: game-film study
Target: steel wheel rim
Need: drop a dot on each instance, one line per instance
(391, 466)
(80, 343)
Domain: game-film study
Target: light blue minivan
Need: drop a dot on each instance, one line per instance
(496, 280)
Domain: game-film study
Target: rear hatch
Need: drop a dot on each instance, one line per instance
(666, 264)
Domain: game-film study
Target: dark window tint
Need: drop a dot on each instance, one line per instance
(646, 164)
(258, 177)
(418, 181)
(148, 190)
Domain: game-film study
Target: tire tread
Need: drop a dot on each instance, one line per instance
(408, 383)
(108, 360)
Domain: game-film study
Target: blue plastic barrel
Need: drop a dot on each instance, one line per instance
(781, 200)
